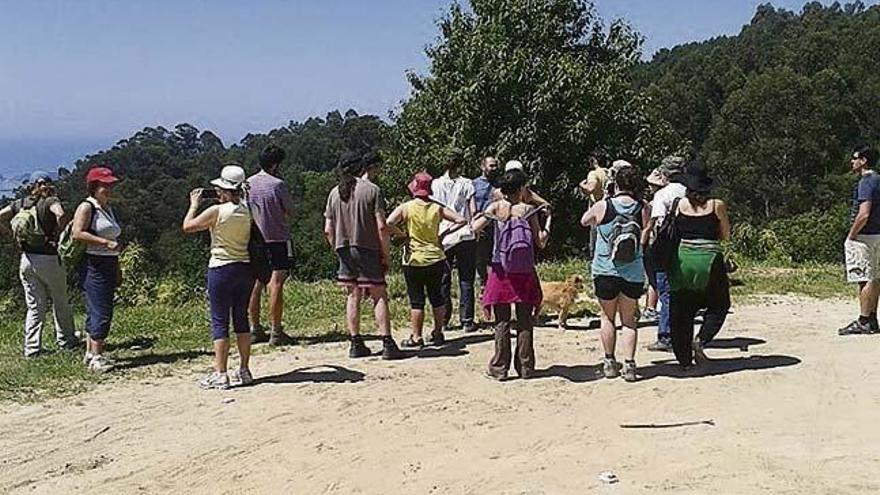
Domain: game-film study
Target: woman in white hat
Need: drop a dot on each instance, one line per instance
(230, 278)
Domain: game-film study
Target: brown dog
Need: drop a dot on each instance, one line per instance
(561, 296)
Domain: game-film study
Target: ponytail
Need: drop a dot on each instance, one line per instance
(350, 167)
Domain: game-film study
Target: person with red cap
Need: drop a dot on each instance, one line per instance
(424, 261)
(95, 225)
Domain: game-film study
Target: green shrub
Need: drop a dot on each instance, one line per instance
(813, 236)
(138, 276)
(756, 243)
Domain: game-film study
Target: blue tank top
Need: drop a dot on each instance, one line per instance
(602, 264)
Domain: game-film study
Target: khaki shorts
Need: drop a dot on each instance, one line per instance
(863, 259)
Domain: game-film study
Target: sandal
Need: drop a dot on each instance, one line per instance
(411, 343)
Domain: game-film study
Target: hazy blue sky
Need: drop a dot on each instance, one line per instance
(77, 75)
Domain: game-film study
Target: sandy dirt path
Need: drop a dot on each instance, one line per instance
(798, 412)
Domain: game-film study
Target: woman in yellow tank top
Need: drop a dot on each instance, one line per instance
(230, 278)
(424, 261)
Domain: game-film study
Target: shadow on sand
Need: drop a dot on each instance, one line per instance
(314, 374)
(716, 367)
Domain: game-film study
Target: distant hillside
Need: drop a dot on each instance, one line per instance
(777, 109)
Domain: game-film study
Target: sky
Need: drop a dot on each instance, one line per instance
(78, 75)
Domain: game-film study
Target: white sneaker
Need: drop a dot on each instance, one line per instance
(100, 364)
(215, 380)
(611, 368)
(629, 372)
(243, 377)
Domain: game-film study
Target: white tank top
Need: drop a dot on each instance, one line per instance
(105, 226)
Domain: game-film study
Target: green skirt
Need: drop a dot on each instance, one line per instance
(693, 266)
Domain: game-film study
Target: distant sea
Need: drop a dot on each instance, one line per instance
(20, 157)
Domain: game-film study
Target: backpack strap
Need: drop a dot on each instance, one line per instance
(92, 213)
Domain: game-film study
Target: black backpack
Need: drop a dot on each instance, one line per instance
(665, 248)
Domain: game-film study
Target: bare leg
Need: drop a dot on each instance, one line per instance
(244, 349)
(254, 305)
(417, 322)
(276, 298)
(97, 347)
(353, 311)
(652, 299)
(221, 355)
(608, 332)
(627, 309)
(380, 309)
(439, 319)
(868, 293)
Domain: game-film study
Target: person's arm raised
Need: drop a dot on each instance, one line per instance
(205, 220)
(593, 216)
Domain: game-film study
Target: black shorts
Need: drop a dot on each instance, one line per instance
(280, 255)
(421, 279)
(608, 288)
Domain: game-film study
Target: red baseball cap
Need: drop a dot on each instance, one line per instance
(420, 186)
(101, 174)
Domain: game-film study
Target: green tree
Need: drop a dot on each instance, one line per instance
(543, 82)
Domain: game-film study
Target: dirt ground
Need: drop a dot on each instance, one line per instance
(796, 409)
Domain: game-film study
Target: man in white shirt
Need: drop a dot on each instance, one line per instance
(669, 177)
(457, 193)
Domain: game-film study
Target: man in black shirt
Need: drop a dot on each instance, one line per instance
(41, 274)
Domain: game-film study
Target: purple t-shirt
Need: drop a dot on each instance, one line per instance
(270, 204)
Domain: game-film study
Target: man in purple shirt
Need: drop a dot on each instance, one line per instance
(272, 209)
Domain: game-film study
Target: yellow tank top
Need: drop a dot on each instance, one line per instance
(423, 228)
(230, 235)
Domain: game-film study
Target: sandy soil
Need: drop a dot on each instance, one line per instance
(797, 412)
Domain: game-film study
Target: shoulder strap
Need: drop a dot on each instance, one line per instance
(674, 211)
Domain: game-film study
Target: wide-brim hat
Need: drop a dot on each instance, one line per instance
(657, 178)
(420, 185)
(696, 178)
(231, 178)
(513, 165)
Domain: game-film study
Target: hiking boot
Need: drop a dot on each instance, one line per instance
(437, 338)
(259, 335)
(858, 328)
(100, 364)
(390, 351)
(492, 376)
(650, 314)
(660, 346)
(611, 368)
(699, 354)
(629, 371)
(279, 338)
(358, 349)
(469, 327)
(242, 377)
(215, 381)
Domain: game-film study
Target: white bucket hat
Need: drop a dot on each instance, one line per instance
(513, 165)
(231, 178)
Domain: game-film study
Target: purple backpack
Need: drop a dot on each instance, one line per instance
(515, 245)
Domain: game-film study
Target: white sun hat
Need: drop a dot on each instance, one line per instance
(231, 178)
(513, 165)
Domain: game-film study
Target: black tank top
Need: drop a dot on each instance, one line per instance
(692, 227)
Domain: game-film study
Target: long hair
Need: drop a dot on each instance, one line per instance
(349, 169)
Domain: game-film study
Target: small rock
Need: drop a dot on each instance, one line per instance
(228, 400)
(608, 477)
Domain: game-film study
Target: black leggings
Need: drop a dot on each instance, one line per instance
(684, 304)
(421, 279)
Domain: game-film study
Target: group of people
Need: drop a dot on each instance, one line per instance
(491, 228)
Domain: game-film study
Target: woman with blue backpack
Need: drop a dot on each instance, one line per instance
(513, 279)
(618, 268)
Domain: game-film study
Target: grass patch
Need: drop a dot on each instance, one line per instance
(157, 340)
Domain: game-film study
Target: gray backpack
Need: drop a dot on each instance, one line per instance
(626, 234)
